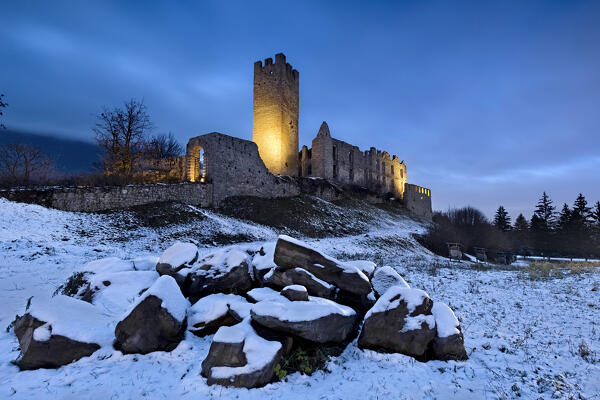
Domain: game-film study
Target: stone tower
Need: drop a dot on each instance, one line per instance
(275, 116)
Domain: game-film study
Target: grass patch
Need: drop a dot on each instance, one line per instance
(542, 269)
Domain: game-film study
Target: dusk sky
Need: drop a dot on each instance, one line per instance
(488, 103)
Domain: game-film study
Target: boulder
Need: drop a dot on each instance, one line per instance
(224, 271)
(57, 332)
(280, 278)
(384, 278)
(262, 261)
(291, 253)
(209, 313)
(239, 357)
(175, 258)
(400, 322)
(295, 293)
(367, 267)
(157, 320)
(448, 343)
(317, 320)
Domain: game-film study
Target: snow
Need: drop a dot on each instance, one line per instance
(109, 264)
(258, 351)
(166, 289)
(264, 293)
(122, 290)
(445, 320)
(297, 311)
(219, 262)
(414, 323)
(348, 267)
(265, 261)
(72, 318)
(295, 288)
(522, 335)
(214, 306)
(179, 254)
(147, 263)
(367, 267)
(386, 277)
(394, 295)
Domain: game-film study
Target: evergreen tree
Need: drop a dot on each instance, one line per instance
(521, 224)
(502, 219)
(580, 217)
(564, 218)
(596, 214)
(545, 212)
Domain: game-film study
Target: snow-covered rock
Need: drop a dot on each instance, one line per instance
(262, 261)
(401, 322)
(291, 253)
(213, 311)
(317, 319)
(449, 342)
(224, 271)
(386, 277)
(178, 256)
(295, 293)
(280, 278)
(156, 321)
(60, 331)
(239, 357)
(115, 292)
(367, 267)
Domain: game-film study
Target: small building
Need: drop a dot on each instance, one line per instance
(454, 251)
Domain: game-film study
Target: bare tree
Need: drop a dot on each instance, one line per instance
(2, 105)
(121, 134)
(164, 146)
(22, 163)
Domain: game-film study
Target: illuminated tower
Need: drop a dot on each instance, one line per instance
(275, 116)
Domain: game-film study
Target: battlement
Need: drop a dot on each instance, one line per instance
(422, 191)
(280, 68)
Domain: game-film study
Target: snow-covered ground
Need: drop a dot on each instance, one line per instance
(525, 338)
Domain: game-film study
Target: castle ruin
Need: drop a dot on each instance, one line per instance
(259, 167)
(218, 166)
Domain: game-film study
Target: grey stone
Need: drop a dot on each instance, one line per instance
(56, 351)
(148, 328)
(385, 331)
(280, 278)
(295, 293)
(230, 353)
(290, 254)
(448, 348)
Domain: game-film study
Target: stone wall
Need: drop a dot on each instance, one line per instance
(234, 168)
(417, 200)
(275, 114)
(91, 199)
(346, 164)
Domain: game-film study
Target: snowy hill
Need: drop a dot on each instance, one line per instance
(527, 338)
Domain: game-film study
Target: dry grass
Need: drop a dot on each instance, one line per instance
(539, 269)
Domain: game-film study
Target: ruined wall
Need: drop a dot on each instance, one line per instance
(344, 163)
(234, 168)
(275, 115)
(417, 200)
(91, 199)
(171, 169)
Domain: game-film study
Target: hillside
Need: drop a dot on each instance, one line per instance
(69, 155)
(526, 337)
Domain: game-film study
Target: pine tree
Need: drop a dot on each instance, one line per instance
(545, 212)
(596, 214)
(564, 218)
(502, 219)
(521, 224)
(580, 217)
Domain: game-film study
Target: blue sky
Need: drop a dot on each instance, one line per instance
(488, 103)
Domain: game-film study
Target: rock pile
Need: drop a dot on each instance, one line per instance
(259, 304)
